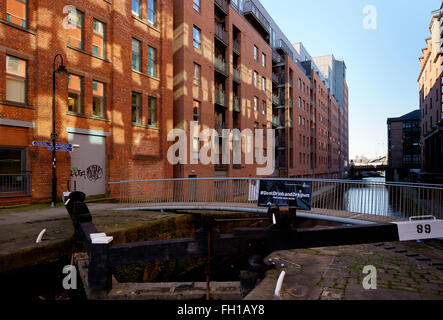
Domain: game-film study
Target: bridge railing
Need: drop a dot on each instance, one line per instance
(402, 200)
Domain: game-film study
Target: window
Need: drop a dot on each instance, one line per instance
(152, 62)
(152, 111)
(264, 107)
(255, 53)
(197, 74)
(256, 79)
(98, 101)
(16, 12)
(98, 39)
(75, 93)
(136, 108)
(196, 110)
(152, 12)
(263, 60)
(196, 5)
(75, 32)
(197, 39)
(299, 83)
(255, 104)
(136, 8)
(299, 103)
(16, 79)
(263, 84)
(136, 55)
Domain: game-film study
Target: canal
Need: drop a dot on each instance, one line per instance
(377, 197)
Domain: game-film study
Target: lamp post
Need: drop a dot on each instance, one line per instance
(61, 68)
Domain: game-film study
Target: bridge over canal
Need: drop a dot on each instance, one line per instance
(355, 202)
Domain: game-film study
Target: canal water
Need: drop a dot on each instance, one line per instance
(370, 199)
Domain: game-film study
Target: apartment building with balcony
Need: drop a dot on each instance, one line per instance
(137, 69)
(114, 101)
(246, 75)
(222, 80)
(431, 105)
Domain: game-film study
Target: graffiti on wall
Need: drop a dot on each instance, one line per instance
(92, 173)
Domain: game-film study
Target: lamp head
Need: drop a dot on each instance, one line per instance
(62, 69)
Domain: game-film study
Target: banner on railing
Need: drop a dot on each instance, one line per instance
(285, 193)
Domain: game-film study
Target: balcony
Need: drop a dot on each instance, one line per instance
(275, 78)
(280, 142)
(223, 6)
(275, 99)
(280, 80)
(221, 34)
(219, 127)
(220, 98)
(236, 74)
(275, 121)
(237, 46)
(221, 66)
(220, 166)
(276, 58)
(13, 185)
(237, 106)
(283, 47)
(278, 122)
(256, 19)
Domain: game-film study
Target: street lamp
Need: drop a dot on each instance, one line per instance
(61, 68)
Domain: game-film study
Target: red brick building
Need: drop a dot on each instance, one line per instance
(114, 102)
(136, 70)
(431, 105)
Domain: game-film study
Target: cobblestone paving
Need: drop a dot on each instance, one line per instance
(337, 273)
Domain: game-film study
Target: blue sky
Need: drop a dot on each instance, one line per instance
(383, 64)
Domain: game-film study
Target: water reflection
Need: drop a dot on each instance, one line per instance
(371, 198)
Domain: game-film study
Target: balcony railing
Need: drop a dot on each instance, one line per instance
(220, 65)
(275, 78)
(223, 5)
(281, 45)
(237, 107)
(236, 74)
(237, 46)
(275, 121)
(219, 127)
(221, 98)
(276, 57)
(275, 99)
(221, 34)
(15, 184)
(280, 142)
(280, 79)
(261, 23)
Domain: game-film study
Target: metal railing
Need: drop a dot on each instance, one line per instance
(276, 57)
(237, 107)
(250, 7)
(221, 98)
(399, 200)
(220, 65)
(237, 46)
(15, 184)
(221, 33)
(281, 45)
(275, 99)
(236, 74)
(223, 4)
